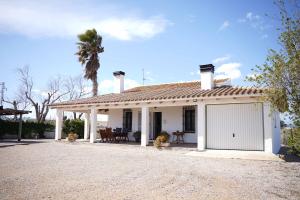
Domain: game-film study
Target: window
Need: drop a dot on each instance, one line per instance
(127, 119)
(139, 121)
(189, 119)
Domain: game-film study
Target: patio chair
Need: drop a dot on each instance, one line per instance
(124, 134)
(103, 135)
(110, 135)
(118, 133)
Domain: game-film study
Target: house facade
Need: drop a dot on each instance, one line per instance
(211, 113)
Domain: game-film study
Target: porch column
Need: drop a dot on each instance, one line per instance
(201, 122)
(93, 125)
(86, 126)
(58, 124)
(145, 126)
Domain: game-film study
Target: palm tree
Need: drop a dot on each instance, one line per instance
(89, 46)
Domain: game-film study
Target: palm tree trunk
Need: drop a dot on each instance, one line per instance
(95, 87)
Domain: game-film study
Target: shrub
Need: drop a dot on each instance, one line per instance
(75, 126)
(29, 128)
(72, 137)
(165, 135)
(161, 138)
(294, 141)
(137, 135)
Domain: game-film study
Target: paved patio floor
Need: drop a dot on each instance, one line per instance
(45, 169)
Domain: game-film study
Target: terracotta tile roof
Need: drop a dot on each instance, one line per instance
(166, 91)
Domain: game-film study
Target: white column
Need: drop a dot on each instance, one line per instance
(145, 126)
(58, 124)
(86, 126)
(93, 125)
(201, 123)
(268, 127)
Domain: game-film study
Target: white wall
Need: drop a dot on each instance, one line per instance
(276, 132)
(171, 121)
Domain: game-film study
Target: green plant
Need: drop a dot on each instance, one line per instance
(165, 135)
(75, 126)
(28, 128)
(294, 141)
(89, 46)
(137, 135)
(162, 137)
(72, 137)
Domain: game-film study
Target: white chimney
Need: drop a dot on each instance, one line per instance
(120, 76)
(207, 76)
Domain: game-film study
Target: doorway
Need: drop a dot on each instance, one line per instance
(156, 124)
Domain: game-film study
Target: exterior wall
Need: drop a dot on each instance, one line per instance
(271, 129)
(276, 132)
(171, 121)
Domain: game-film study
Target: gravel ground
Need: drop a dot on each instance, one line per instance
(59, 170)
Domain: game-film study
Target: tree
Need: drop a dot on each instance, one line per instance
(77, 89)
(40, 102)
(89, 46)
(19, 102)
(281, 71)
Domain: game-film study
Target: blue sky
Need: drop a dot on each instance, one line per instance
(169, 39)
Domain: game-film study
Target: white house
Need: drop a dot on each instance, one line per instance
(212, 113)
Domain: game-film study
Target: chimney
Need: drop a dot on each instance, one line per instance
(207, 76)
(120, 76)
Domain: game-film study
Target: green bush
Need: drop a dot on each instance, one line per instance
(29, 128)
(161, 138)
(165, 135)
(75, 126)
(137, 136)
(294, 141)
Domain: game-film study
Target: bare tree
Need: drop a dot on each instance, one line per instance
(40, 101)
(77, 88)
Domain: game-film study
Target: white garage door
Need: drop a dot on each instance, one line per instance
(235, 126)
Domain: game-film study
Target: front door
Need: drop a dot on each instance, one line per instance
(156, 124)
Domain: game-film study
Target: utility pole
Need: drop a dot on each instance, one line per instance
(2, 88)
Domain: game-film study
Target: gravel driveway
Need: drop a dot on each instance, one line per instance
(59, 170)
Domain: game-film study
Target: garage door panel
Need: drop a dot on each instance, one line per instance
(235, 126)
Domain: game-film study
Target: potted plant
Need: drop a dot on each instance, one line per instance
(137, 136)
(162, 140)
(71, 135)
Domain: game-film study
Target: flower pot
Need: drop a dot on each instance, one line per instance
(72, 137)
(164, 144)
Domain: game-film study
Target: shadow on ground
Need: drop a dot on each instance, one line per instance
(286, 156)
(10, 143)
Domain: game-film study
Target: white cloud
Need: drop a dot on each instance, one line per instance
(221, 59)
(112, 85)
(229, 70)
(64, 19)
(250, 16)
(256, 22)
(224, 25)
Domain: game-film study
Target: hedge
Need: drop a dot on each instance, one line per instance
(28, 128)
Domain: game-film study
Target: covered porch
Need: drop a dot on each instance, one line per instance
(150, 118)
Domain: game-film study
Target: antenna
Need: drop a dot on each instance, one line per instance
(144, 76)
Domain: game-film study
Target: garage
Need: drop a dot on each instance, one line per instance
(235, 126)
